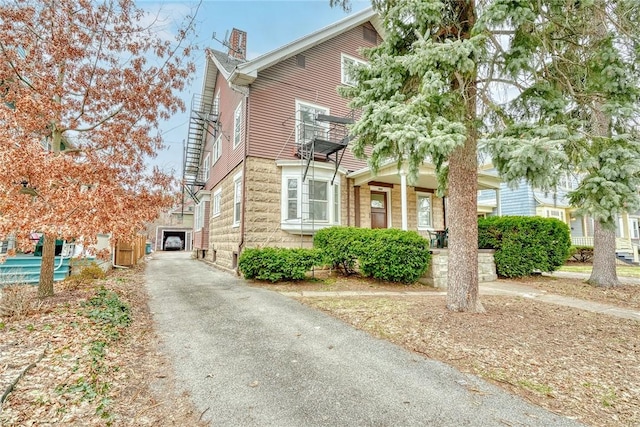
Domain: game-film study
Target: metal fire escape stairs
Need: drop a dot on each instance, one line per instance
(322, 139)
(203, 120)
(327, 136)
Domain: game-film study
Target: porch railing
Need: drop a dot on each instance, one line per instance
(622, 245)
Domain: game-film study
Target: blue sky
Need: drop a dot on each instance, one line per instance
(269, 24)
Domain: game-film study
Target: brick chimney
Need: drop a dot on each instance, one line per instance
(238, 44)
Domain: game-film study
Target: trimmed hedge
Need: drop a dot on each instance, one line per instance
(524, 244)
(385, 254)
(277, 264)
(340, 246)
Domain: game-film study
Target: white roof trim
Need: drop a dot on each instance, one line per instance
(317, 165)
(247, 72)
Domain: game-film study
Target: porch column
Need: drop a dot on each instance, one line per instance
(403, 194)
(624, 233)
(498, 205)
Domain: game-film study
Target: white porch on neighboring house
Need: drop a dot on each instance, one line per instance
(627, 236)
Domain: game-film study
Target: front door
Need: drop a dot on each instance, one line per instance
(378, 209)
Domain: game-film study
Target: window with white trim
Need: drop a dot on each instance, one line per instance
(425, 213)
(311, 205)
(216, 103)
(217, 202)
(555, 213)
(217, 149)
(237, 125)
(198, 217)
(633, 225)
(206, 168)
(347, 65)
(308, 127)
(237, 199)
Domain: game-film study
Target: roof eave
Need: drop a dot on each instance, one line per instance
(247, 72)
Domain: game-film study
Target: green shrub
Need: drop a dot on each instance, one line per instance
(277, 264)
(340, 246)
(386, 254)
(394, 255)
(525, 244)
(581, 253)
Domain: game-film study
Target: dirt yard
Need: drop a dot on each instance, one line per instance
(572, 362)
(66, 371)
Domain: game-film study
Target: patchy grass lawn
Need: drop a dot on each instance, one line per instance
(576, 363)
(623, 270)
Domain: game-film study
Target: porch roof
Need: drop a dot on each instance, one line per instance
(388, 173)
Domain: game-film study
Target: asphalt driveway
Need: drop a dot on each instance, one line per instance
(253, 357)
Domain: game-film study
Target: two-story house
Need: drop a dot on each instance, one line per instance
(267, 158)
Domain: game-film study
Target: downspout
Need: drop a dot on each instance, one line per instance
(245, 92)
(348, 203)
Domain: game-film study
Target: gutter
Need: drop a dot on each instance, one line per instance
(245, 92)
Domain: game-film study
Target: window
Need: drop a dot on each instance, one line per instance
(555, 213)
(348, 63)
(308, 127)
(198, 220)
(237, 199)
(206, 168)
(565, 182)
(217, 149)
(318, 200)
(292, 199)
(424, 211)
(311, 205)
(216, 104)
(237, 125)
(633, 225)
(217, 202)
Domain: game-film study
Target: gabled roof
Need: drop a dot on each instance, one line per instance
(245, 72)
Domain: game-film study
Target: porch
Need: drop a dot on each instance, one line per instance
(386, 200)
(626, 249)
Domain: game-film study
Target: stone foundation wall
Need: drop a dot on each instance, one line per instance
(436, 275)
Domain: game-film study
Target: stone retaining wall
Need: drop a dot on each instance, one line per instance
(436, 275)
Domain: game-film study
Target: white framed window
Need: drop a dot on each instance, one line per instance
(347, 64)
(308, 128)
(206, 167)
(555, 213)
(237, 199)
(217, 202)
(237, 125)
(198, 216)
(311, 205)
(566, 182)
(633, 226)
(425, 211)
(216, 103)
(217, 149)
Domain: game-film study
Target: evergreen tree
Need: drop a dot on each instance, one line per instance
(418, 98)
(578, 112)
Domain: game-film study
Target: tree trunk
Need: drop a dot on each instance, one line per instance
(462, 274)
(604, 257)
(45, 286)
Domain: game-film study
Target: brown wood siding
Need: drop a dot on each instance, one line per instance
(274, 94)
(230, 157)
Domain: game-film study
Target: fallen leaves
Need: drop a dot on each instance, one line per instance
(86, 377)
